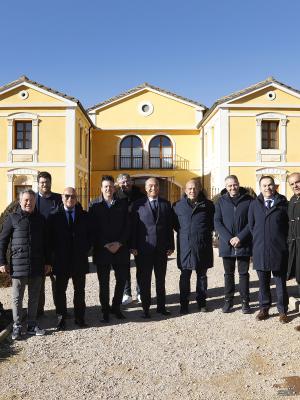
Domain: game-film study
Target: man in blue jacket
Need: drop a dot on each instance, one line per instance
(231, 222)
(268, 222)
(193, 222)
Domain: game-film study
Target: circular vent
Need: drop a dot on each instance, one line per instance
(145, 108)
(24, 94)
(271, 95)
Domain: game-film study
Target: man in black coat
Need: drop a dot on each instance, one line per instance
(235, 244)
(193, 222)
(268, 223)
(294, 231)
(152, 243)
(46, 202)
(69, 242)
(127, 191)
(29, 260)
(110, 221)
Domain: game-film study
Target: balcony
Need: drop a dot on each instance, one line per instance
(127, 162)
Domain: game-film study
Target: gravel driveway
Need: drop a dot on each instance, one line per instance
(197, 356)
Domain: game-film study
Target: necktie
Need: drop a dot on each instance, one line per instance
(70, 219)
(268, 204)
(154, 208)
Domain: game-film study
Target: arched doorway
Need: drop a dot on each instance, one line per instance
(168, 189)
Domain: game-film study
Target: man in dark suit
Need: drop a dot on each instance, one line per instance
(46, 202)
(69, 242)
(268, 223)
(109, 217)
(152, 243)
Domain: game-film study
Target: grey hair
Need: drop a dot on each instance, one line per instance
(122, 176)
(29, 191)
(233, 177)
(155, 179)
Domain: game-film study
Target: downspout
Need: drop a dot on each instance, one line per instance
(89, 167)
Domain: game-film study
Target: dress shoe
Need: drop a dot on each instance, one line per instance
(118, 314)
(105, 318)
(297, 328)
(184, 308)
(81, 323)
(263, 314)
(61, 324)
(246, 309)
(227, 307)
(146, 314)
(283, 318)
(163, 312)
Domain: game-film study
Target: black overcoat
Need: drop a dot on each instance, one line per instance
(269, 228)
(231, 219)
(194, 226)
(110, 225)
(69, 248)
(294, 239)
(27, 233)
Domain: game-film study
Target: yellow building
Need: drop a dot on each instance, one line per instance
(147, 131)
(251, 133)
(41, 129)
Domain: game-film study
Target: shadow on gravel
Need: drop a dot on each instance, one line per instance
(7, 350)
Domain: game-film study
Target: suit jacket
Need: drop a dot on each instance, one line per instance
(110, 225)
(69, 247)
(151, 234)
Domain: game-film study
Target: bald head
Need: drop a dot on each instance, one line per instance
(294, 182)
(69, 197)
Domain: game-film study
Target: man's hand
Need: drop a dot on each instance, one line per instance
(169, 252)
(113, 247)
(48, 269)
(134, 252)
(4, 269)
(235, 242)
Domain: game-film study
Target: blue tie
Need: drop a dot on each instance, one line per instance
(268, 204)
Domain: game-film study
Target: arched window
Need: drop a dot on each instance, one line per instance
(131, 153)
(161, 152)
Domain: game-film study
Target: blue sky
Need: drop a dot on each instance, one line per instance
(96, 49)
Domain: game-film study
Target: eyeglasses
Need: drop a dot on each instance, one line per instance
(70, 196)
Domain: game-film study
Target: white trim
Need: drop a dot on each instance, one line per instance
(266, 106)
(147, 88)
(263, 164)
(92, 115)
(35, 105)
(70, 147)
(19, 171)
(253, 114)
(38, 89)
(269, 84)
(223, 147)
(147, 128)
(32, 164)
(41, 114)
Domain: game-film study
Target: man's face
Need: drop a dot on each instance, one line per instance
(107, 189)
(192, 190)
(125, 184)
(232, 186)
(44, 186)
(294, 182)
(152, 188)
(69, 198)
(27, 202)
(267, 188)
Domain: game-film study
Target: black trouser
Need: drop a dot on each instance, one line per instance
(156, 261)
(42, 293)
(79, 295)
(264, 295)
(103, 272)
(185, 286)
(243, 269)
(127, 289)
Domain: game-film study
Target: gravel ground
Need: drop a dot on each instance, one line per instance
(197, 356)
